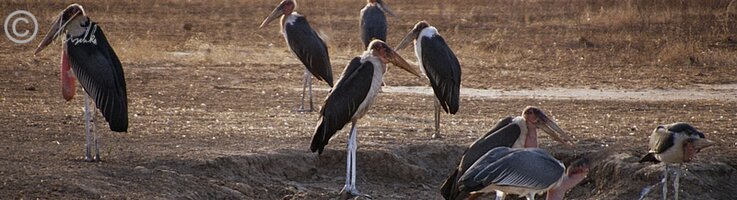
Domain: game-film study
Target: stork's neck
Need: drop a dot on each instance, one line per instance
(368, 56)
(289, 20)
(77, 26)
(531, 139)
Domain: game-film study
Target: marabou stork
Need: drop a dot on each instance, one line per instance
(518, 132)
(305, 44)
(373, 21)
(350, 99)
(525, 172)
(86, 51)
(440, 65)
(674, 143)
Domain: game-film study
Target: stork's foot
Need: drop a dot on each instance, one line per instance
(349, 192)
(91, 159)
(436, 136)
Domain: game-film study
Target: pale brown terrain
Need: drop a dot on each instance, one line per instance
(212, 98)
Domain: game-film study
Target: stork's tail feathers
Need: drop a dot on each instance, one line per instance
(454, 103)
(649, 157)
(330, 82)
(448, 187)
(449, 99)
(319, 139)
(118, 119)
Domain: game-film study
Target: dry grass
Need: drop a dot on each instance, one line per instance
(577, 44)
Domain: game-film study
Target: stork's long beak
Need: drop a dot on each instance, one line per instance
(702, 143)
(385, 8)
(552, 129)
(397, 60)
(56, 27)
(276, 13)
(412, 35)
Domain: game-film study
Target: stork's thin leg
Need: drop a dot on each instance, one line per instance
(437, 120)
(87, 154)
(350, 191)
(348, 161)
(665, 183)
(354, 148)
(304, 89)
(676, 181)
(95, 136)
(345, 192)
(309, 84)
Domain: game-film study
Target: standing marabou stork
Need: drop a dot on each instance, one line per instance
(440, 65)
(349, 101)
(518, 132)
(674, 143)
(373, 21)
(525, 172)
(86, 51)
(305, 44)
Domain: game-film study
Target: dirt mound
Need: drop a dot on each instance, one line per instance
(270, 175)
(394, 173)
(620, 176)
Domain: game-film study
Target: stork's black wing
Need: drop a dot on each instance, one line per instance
(502, 137)
(525, 168)
(443, 70)
(310, 49)
(449, 189)
(99, 72)
(343, 102)
(373, 25)
(682, 127)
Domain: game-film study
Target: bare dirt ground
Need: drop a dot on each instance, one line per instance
(212, 98)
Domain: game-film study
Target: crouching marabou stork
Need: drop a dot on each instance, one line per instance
(373, 21)
(674, 143)
(525, 172)
(440, 65)
(305, 44)
(86, 51)
(349, 101)
(518, 132)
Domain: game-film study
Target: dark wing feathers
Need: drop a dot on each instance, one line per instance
(682, 127)
(343, 102)
(469, 180)
(443, 70)
(101, 75)
(526, 168)
(373, 25)
(310, 49)
(500, 124)
(502, 137)
(449, 190)
(351, 68)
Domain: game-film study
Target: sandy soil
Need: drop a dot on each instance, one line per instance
(212, 98)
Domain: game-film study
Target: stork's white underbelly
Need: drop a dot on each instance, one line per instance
(376, 81)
